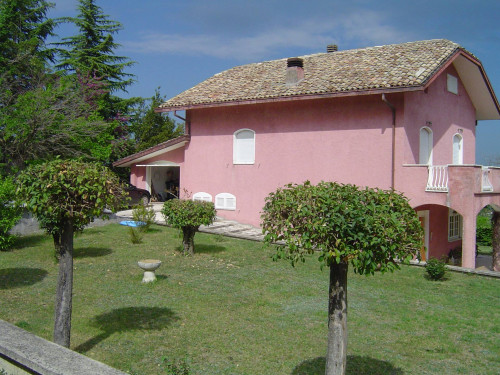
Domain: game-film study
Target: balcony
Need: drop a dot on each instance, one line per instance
(483, 179)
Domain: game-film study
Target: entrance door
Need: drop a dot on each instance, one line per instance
(423, 216)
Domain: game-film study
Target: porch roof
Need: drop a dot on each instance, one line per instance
(148, 153)
(384, 69)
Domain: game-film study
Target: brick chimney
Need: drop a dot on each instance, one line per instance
(294, 70)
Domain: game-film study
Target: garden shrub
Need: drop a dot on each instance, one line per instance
(484, 231)
(9, 213)
(188, 215)
(144, 215)
(436, 268)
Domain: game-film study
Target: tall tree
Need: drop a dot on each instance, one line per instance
(66, 196)
(55, 118)
(369, 228)
(24, 28)
(150, 127)
(91, 50)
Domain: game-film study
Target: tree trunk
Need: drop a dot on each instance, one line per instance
(495, 241)
(337, 320)
(64, 293)
(188, 239)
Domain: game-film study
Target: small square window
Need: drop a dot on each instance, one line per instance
(452, 84)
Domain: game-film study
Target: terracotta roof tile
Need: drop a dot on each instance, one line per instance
(385, 67)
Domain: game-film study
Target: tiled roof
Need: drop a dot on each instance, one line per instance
(376, 68)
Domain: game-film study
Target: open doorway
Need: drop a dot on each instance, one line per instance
(163, 182)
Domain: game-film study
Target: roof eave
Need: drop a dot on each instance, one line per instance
(385, 90)
(148, 153)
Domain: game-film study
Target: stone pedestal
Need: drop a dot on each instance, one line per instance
(149, 266)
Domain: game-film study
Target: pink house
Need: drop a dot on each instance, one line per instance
(399, 116)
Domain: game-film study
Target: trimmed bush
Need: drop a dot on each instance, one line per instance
(436, 268)
(484, 231)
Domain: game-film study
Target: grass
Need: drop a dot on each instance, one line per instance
(484, 250)
(231, 310)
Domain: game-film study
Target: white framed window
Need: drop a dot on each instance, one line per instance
(452, 84)
(426, 144)
(244, 146)
(202, 196)
(458, 149)
(454, 225)
(225, 201)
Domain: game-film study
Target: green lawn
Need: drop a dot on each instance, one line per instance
(231, 310)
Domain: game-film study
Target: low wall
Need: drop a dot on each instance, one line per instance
(23, 353)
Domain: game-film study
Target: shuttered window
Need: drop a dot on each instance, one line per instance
(244, 147)
(225, 201)
(202, 196)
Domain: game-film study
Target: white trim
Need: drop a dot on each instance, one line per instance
(235, 147)
(225, 201)
(159, 163)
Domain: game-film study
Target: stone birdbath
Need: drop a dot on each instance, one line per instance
(149, 266)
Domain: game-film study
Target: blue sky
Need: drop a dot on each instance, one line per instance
(177, 44)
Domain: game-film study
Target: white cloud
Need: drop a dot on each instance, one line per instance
(359, 28)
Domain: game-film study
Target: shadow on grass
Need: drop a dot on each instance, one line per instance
(17, 277)
(128, 319)
(29, 240)
(91, 252)
(356, 365)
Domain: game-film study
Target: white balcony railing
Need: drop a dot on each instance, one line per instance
(438, 178)
(485, 180)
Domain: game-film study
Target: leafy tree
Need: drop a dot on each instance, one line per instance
(54, 118)
(150, 127)
(24, 27)
(9, 214)
(371, 229)
(91, 51)
(188, 215)
(65, 196)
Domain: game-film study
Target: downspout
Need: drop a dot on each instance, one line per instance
(187, 127)
(393, 167)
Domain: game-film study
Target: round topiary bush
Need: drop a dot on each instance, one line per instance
(436, 268)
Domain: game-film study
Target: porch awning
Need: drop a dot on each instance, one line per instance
(151, 152)
(159, 163)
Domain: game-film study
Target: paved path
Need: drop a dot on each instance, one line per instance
(221, 226)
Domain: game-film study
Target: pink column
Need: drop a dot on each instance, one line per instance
(469, 241)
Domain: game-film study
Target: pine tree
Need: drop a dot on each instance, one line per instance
(91, 51)
(24, 27)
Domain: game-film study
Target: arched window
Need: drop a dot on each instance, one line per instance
(425, 154)
(458, 149)
(202, 196)
(244, 147)
(225, 201)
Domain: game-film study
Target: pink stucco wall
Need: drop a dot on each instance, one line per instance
(345, 139)
(444, 113)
